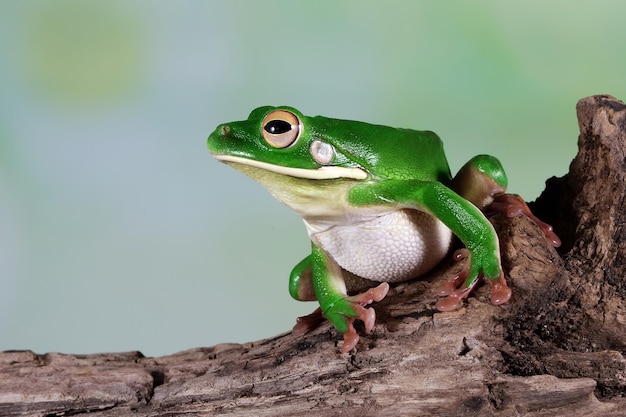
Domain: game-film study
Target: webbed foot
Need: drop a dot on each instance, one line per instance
(458, 288)
(345, 311)
(308, 322)
(513, 205)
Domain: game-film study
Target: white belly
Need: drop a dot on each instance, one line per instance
(395, 246)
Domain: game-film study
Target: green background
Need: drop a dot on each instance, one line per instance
(118, 231)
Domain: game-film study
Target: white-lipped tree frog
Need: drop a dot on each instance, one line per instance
(379, 203)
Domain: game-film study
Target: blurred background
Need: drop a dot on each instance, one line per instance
(118, 231)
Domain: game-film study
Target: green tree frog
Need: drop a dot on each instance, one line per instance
(379, 204)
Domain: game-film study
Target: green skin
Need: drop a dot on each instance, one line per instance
(331, 170)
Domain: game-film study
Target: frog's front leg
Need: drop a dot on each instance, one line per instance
(480, 181)
(462, 217)
(322, 274)
(483, 182)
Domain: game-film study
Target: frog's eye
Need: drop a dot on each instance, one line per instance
(281, 128)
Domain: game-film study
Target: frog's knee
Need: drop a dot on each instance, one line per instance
(301, 284)
(480, 179)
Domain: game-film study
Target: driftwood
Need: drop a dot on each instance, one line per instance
(555, 349)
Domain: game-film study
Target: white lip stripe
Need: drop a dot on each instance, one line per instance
(322, 173)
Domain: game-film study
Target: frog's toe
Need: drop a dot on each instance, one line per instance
(451, 285)
(308, 322)
(513, 205)
(352, 308)
(371, 295)
(458, 287)
(359, 301)
(454, 300)
(500, 296)
(500, 291)
(350, 338)
(366, 315)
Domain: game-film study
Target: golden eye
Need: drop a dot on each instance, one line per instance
(281, 128)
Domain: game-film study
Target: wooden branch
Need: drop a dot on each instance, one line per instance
(555, 349)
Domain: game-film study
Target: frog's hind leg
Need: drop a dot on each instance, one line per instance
(483, 182)
(308, 322)
(318, 277)
(301, 289)
(514, 205)
(480, 180)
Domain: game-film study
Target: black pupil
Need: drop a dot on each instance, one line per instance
(276, 127)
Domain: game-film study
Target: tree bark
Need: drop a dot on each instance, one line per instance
(555, 349)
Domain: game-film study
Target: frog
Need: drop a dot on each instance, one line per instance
(380, 206)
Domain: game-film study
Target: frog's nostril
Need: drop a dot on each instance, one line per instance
(225, 130)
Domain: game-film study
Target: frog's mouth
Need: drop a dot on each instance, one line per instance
(321, 173)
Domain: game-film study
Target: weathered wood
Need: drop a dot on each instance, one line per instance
(555, 349)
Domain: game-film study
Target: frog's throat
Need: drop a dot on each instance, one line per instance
(322, 173)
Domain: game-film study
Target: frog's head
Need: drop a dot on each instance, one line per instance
(311, 163)
(283, 141)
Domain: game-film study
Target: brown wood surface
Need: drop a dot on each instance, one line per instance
(555, 349)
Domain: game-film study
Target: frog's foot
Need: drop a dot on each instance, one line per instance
(451, 284)
(456, 288)
(351, 337)
(500, 291)
(513, 205)
(346, 311)
(352, 308)
(453, 287)
(308, 322)
(371, 295)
